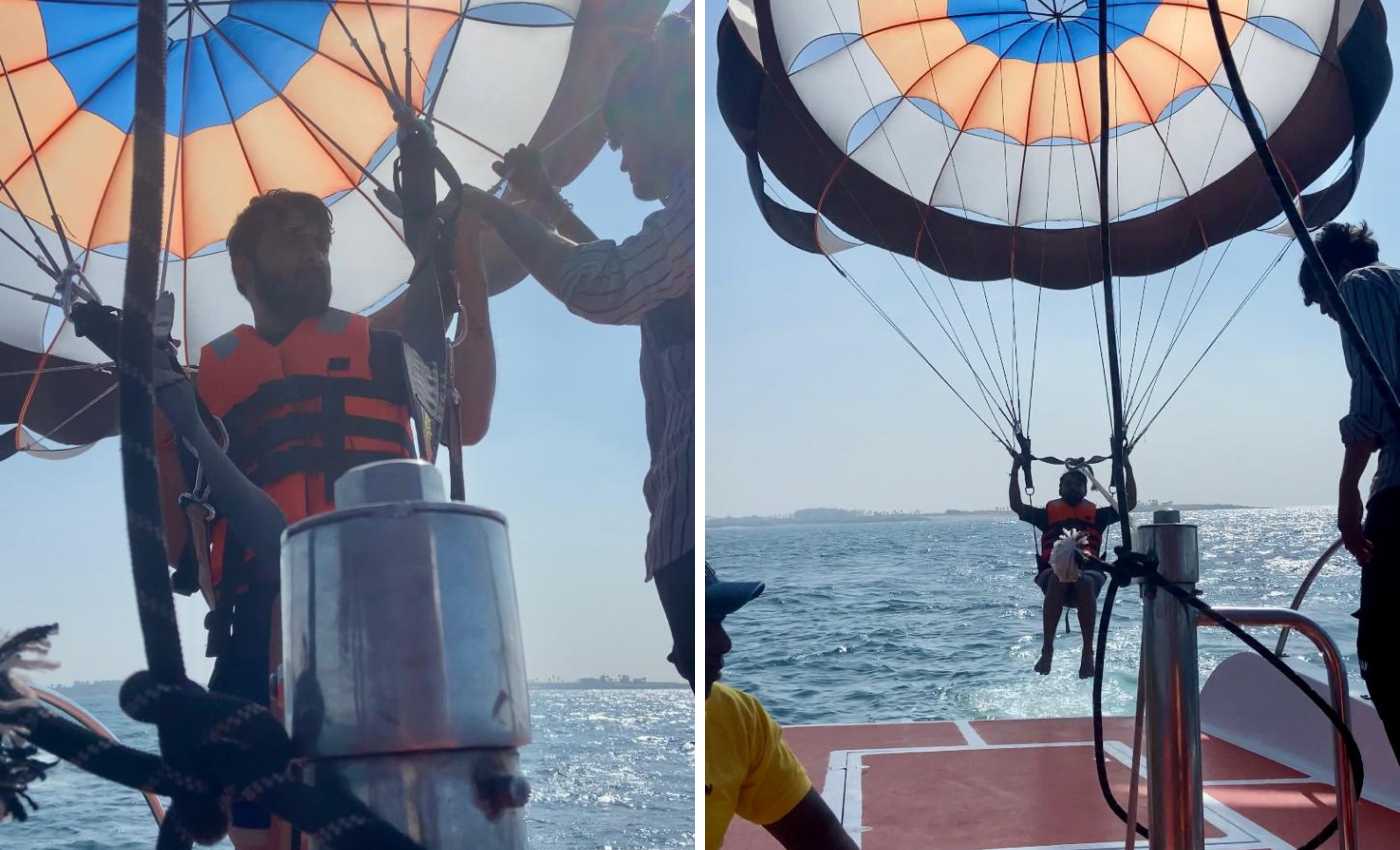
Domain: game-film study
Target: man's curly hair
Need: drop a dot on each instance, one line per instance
(1343, 247)
(268, 211)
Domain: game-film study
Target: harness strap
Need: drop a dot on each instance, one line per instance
(246, 416)
(331, 424)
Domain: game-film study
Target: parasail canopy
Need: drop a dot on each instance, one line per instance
(262, 94)
(964, 132)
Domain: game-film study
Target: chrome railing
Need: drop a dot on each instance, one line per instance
(1336, 683)
(1305, 587)
(94, 725)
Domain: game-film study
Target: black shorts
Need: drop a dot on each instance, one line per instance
(1376, 638)
(1046, 580)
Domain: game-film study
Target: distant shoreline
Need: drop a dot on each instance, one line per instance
(575, 685)
(842, 516)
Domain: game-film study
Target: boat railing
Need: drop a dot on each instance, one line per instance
(95, 726)
(1304, 588)
(1291, 619)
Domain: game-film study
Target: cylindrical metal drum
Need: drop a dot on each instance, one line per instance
(403, 666)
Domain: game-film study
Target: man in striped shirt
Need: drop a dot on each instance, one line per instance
(646, 280)
(1371, 290)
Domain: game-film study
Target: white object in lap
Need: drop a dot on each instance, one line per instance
(1063, 560)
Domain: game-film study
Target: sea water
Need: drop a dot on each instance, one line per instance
(607, 768)
(938, 618)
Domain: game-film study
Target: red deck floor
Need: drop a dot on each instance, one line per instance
(990, 785)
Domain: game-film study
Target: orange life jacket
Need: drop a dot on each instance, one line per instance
(329, 397)
(1083, 518)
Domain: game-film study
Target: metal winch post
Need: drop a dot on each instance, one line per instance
(405, 675)
(1172, 687)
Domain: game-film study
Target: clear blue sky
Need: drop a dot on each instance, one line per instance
(564, 461)
(813, 401)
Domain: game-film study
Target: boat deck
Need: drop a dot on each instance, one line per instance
(980, 785)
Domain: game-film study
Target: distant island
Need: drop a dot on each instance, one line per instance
(589, 683)
(607, 683)
(828, 516)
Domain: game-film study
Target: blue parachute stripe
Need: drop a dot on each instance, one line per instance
(102, 38)
(205, 106)
(821, 48)
(867, 124)
(115, 99)
(110, 35)
(274, 58)
(1287, 31)
(69, 24)
(244, 89)
(984, 22)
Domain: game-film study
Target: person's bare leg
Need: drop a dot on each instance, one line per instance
(1084, 595)
(1054, 604)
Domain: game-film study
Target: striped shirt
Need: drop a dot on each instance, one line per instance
(649, 280)
(1373, 295)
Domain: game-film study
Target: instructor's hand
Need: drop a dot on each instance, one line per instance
(1349, 511)
(523, 168)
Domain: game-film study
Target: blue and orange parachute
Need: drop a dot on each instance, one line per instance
(261, 94)
(965, 134)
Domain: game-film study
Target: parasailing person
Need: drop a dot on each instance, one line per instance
(1081, 523)
(305, 392)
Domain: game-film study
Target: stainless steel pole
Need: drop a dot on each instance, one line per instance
(1172, 684)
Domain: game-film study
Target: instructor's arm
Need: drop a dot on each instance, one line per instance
(811, 825)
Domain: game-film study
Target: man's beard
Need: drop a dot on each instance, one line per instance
(296, 297)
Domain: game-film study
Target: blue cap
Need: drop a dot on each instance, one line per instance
(723, 598)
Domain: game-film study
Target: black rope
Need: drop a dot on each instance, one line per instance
(1130, 566)
(1110, 326)
(1341, 312)
(238, 748)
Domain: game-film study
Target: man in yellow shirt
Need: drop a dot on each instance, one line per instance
(749, 771)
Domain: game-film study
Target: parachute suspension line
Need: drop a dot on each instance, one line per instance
(1035, 350)
(1161, 178)
(1110, 323)
(81, 367)
(1093, 299)
(176, 181)
(408, 63)
(1103, 358)
(1136, 389)
(28, 253)
(359, 50)
(1248, 296)
(1168, 157)
(1144, 399)
(1011, 396)
(38, 168)
(950, 332)
(384, 54)
(314, 132)
(869, 299)
(1009, 409)
(451, 51)
(96, 400)
(1014, 217)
